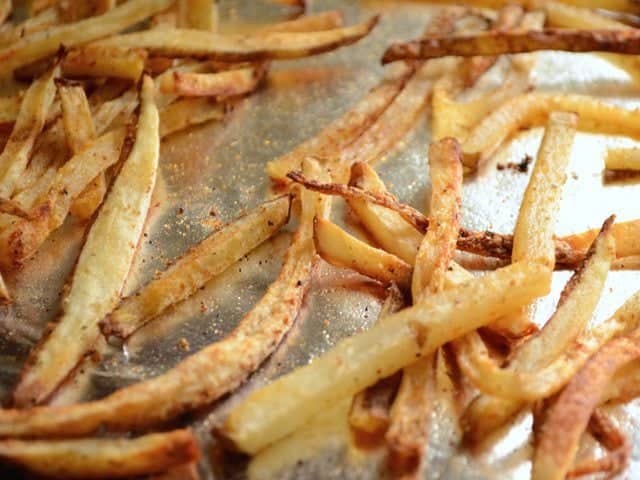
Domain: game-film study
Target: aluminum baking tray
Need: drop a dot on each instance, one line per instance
(212, 173)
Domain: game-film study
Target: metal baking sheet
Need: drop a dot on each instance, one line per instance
(212, 173)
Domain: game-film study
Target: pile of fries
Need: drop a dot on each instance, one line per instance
(83, 139)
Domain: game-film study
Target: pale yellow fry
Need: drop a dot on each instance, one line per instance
(115, 112)
(103, 264)
(93, 458)
(359, 361)
(182, 42)
(339, 248)
(36, 189)
(308, 23)
(196, 267)
(567, 16)
(112, 62)
(625, 384)
(622, 159)
(43, 44)
(626, 234)
(198, 14)
(533, 109)
(219, 85)
(187, 112)
(206, 375)
(31, 119)
(10, 33)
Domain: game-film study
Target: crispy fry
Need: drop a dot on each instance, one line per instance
(626, 235)
(533, 109)
(111, 62)
(237, 48)
(359, 361)
(625, 41)
(308, 23)
(622, 159)
(102, 266)
(342, 131)
(187, 112)
(198, 14)
(40, 45)
(339, 248)
(31, 119)
(568, 417)
(204, 376)
(102, 458)
(219, 85)
(196, 267)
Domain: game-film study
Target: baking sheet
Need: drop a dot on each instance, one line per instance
(212, 173)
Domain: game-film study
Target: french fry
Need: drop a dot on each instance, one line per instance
(204, 376)
(14, 208)
(187, 112)
(625, 233)
(359, 361)
(625, 41)
(111, 62)
(339, 248)
(102, 266)
(104, 457)
(29, 123)
(622, 159)
(615, 5)
(80, 132)
(40, 45)
(9, 109)
(237, 48)
(342, 131)
(308, 23)
(533, 109)
(5, 297)
(533, 238)
(219, 85)
(196, 267)
(198, 14)
(5, 10)
(624, 385)
(115, 112)
(10, 33)
(568, 417)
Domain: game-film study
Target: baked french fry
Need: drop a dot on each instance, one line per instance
(359, 361)
(10, 33)
(115, 112)
(5, 297)
(198, 14)
(338, 248)
(187, 112)
(9, 109)
(43, 44)
(219, 85)
(625, 233)
(111, 62)
(196, 267)
(29, 123)
(308, 23)
(102, 457)
(568, 417)
(237, 48)
(103, 264)
(622, 159)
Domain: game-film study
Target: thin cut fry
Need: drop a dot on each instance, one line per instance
(622, 159)
(43, 44)
(197, 14)
(237, 48)
(103, 264)
(533, 109)
(626, 234)
(222, 84)
(31, 119)
(201, 263)
(568, 417)
(204, 376)
(625, 41)
(308, 23)
(111, 62)
(339, 248)
(359, 361)
(10, 33)
(187, 112)
(102, 458)
(342, 131)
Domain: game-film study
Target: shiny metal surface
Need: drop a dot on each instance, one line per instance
(217, 170)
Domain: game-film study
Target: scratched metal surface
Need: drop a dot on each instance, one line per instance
(216, 171)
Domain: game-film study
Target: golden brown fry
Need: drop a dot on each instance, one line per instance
(626, 234)
(198, 14)
(498, 43)
(111, 62)
(9, 109)
(533, 109)
(187, 112)
(359, 361)
(196, 267)
(308, 23)
(622, 159)
(29, 123)
(40, 45)
(568, 417)
(237, 48)
(338, 248)
(219, 85)
(342, 131)
(103, 264)
(102, 457)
